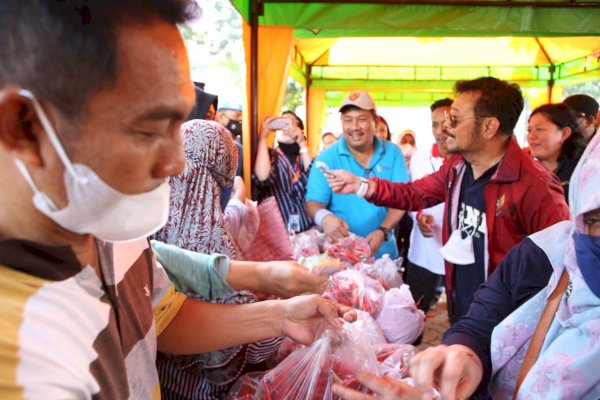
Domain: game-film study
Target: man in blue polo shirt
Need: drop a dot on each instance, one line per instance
(362, 153)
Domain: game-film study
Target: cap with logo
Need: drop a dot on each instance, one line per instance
(359, 99)
(583, 104)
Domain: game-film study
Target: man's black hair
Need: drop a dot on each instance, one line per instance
(66, 50)
(497, 98)
(440, 103)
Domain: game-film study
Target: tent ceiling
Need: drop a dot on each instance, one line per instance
(411, 47)
(422, 51)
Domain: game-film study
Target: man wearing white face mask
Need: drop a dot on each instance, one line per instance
(86, 146)
(494, 194)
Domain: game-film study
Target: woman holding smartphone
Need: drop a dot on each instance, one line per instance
(283, 171)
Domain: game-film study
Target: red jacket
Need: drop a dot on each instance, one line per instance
(521, 198)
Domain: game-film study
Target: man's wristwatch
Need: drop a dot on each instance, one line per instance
(387, 234)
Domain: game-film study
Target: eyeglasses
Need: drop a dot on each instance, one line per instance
(451, 119)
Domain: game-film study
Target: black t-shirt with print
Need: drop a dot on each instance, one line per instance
(471, 221)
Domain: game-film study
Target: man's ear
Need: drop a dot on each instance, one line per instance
(19, 127)
(490, 127)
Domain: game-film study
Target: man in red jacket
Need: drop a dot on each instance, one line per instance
(495, 194)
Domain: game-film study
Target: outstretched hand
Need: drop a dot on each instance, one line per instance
(456, 370)
(343, 182)
(303, 315)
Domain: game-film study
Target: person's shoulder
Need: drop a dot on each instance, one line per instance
(391, 147)
(330, 153)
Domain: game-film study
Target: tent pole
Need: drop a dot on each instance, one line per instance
(255, 6)
(551, 69)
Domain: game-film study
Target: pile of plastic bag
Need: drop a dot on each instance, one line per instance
(309, 372)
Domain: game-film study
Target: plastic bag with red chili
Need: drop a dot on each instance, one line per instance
(356, 290)
(350, 249)
(304, 245)
(385, 270)
(309, 373)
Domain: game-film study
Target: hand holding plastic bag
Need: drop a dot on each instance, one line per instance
(309, 373)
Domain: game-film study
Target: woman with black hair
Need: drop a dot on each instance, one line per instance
(555, 140)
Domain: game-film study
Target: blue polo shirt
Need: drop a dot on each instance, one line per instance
(363, 217)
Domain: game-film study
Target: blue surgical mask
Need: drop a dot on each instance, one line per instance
(587, 251)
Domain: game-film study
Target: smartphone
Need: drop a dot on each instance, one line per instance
(325, 169)
(283, 124)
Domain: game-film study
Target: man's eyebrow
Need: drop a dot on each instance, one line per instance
(159, 114)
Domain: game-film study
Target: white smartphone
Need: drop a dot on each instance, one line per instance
(280, 123)
(324, 168)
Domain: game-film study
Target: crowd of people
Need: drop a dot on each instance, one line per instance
(125, 224)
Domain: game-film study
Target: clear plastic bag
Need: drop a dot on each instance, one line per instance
(309, 373)
(399, 318)
(367, 324)
(304, 244)
(385, 270)
(351, 249)
(352, 288)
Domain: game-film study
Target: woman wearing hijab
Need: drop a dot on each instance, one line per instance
(283, 171)
(196, 223)
(555, 140)
(486, 349)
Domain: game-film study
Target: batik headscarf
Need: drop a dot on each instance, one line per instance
(195, 217)
(567, 366)
(196, 223)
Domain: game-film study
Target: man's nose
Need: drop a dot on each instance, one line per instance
(172, 161)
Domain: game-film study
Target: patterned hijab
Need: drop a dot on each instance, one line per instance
(567, 366)
(195, 217)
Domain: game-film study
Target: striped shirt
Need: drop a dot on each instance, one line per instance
(288, 191)
(65, 332)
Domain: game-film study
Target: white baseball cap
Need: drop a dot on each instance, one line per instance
(360, 99)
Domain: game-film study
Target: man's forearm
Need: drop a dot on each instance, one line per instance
(201, 327)
(312, 207)
(244, 275)
(392, 218)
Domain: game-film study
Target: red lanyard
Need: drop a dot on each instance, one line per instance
(295, 177)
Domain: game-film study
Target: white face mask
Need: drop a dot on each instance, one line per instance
(93, 206)
(457, 250)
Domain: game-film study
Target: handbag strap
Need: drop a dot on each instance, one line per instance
(541, 329)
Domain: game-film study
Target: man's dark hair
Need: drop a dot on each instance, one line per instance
(66, 50)
(497, 98)
(563, 116)
(440, 103)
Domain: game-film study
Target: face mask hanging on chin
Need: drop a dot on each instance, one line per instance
(457, 250)
(94, 207)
